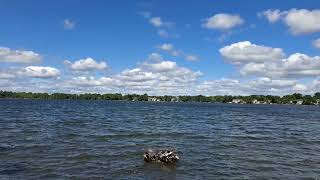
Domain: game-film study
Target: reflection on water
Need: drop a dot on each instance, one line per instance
(156, 170)
(55, 139)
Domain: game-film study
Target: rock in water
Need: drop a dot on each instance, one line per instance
(165, 156)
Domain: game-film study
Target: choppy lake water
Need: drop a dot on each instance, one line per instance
(41, 139)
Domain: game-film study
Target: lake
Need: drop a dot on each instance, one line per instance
(70, 139)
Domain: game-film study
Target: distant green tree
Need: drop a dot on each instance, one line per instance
(287, 99)
(308, 100)
(297, 96)
(317, 95)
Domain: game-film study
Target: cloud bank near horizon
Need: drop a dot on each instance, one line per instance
(261, 69)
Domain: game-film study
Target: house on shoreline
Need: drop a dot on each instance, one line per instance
(154, 99)
(298, 102)
(237, 101)
(255, 101)
(170, 99)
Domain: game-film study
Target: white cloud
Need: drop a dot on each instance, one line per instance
(316, 43)
(174, 52)
(68, 24)
(18, 56)
(22, 74)
(246, 52)
(301, 65)
(299, 21)
(222, 87)
(191, 58)
(142, 79)
(161, 66)
(164, 28)
(272, 83)
(87, 64)
(158, 22)
(303, 21)
(166, 47)
(92, 81)
(272, 74)
(272, 15)
(40, 72)
(155, 57)
(295, 66)
(253, 68)
(152, 76)
(300, 87)
(263, 61)
(263, 85)
(223, 21)
(136, 75)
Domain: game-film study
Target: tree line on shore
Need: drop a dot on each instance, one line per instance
(295, 98)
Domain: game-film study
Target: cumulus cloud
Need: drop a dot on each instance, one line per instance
(23, 73)
(155, 76)
(245, 52)
(166, 47)
(223, 21)
(316, 43)
(160, 74)
(18, 56)
(272, 69)
(136, 75)
(301, 65)
(191, 58)
(295, 66)
(161, 66)
(272, 15)
(170, 49)
(87, 64)
(253, 69)
(272, 83)
(272, 72)
(155, 21)
(164, 28)
(300, 87)
(174, 52)
(263, 85)
(40, 72)
(299, 21)
(68, 24)
(303, 21)
(91, 81)
(155, 57)
(158, 22)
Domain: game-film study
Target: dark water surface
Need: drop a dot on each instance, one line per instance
(42, 139)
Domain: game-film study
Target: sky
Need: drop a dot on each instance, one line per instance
(160, 47)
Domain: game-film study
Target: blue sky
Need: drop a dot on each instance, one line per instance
(160, 47)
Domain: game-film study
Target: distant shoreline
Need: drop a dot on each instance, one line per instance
(296, 98)
(1, 99)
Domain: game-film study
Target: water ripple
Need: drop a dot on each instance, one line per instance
(67, 139)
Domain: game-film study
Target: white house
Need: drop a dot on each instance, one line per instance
(236, 101)
(299, 102)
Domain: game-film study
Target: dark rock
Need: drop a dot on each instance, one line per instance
(165, 156)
